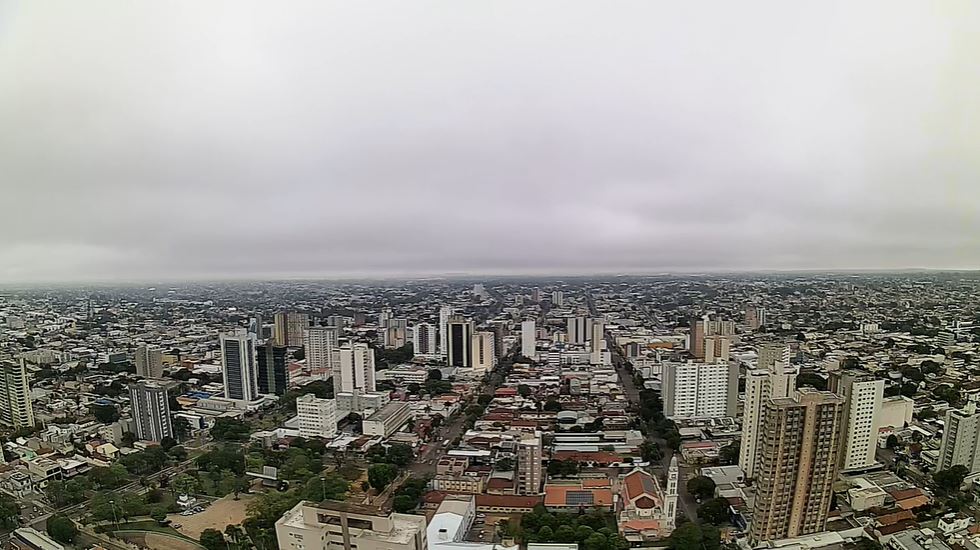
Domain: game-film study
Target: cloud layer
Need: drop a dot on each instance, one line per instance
(193, 139)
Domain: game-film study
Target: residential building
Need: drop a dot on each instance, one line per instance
(238, 365)
(16, 409)
(355, 370)
(317, 417)
(863, 395)
(700, 390)
(318, 345)
(149, 361)
(578, 330)
(755, 317)
(529, 471)
(773, 378)
(484, 354)
(557, 298)
(459, 341)
(798, 465)
(290, 327)
(339, 525)
(961, 439)
(716, 348)
(445, 312)
(273, 378)
(151, 410)
(424, 339)
(358, 402)
(598, 336)
(528, 339)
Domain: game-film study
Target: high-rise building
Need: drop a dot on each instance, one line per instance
(695, 343)
(717, 348)
(797, 466)
(459, 340)
(273, 377)
(755, 317)
(529, 339)
(151, 410)
(484, 353)
(961, 439)
(16, 409)
(149, 362)
(238, 365)
(424, 339)
(344, 526)
(318, 344)
(773, 378)
(445, 312)
(256, 328)
(529, 473)
(317, 417)
(355, 370)
(863, 396)
(535, 294)
(700, 390)
(670, 498)
(598, 335)
(290, 328)
(578, 330)
(384, 317)
(395, 336)
(558, 298)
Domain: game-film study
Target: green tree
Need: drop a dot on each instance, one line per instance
(650, 452)
(62, 529)
(892, 441)
(212, 539)
(329, 487)
(729, 453)
(715, 511)
(380, 475)
(949, 481)
(701, 488)
(9, 511)
(524, 390)
(404, 504)
(687, 536)
(504, 465)
(106, 414)
(229, 429)
(400, 454)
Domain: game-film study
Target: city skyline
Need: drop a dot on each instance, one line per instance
(335, 139)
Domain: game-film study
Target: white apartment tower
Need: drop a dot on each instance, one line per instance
(355, 370)
(528, 339)
(151, 410)
(558, 298)
(598, 335)
(317, 417)
(484, 354)
(700, 390)
(717, 348)
(319, 343)
(961, 439)
(445, 312)
(424, 339)
(16, 410)
(772, 378)
(863, 396)
(238, 365)
(149, 362)
(670, 497)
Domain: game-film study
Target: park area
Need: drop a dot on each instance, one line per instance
(222, 512)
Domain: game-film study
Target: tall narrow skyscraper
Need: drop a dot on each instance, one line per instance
(356, 369)
(238, 365)
(272, 372)
(528, 339)
(459, 342)
(529, 471)
(797, 466)
(149, 362)
(961, 439)
(151, 410)
(424, 339)
(16, 409)
(773, 378)
(445, 312)
(290, 328)
(863, 395)
(578, 330)
(700, 390)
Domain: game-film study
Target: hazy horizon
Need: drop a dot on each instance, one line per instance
(182, 141)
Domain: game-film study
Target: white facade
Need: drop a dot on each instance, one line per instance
(961, 439)
(762, 384)
(310, 526)
(445, 312)
(149, 362)
(716, 348)
(558, 298)
(862, 407)
(151, 411)
(598, 336)
(16, 409)
(484, 354)
(238, 365)
(387, 420)
(577, 329)
(424, 339)
(528, 339)
(700, 390)
(317, 417)
(319, 343)
(896, 412)
(355, 370)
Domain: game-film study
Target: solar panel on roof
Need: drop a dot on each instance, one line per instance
(579, 498)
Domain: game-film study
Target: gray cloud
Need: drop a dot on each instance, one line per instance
(190, 139)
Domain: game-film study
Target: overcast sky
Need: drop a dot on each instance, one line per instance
(151, 140)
